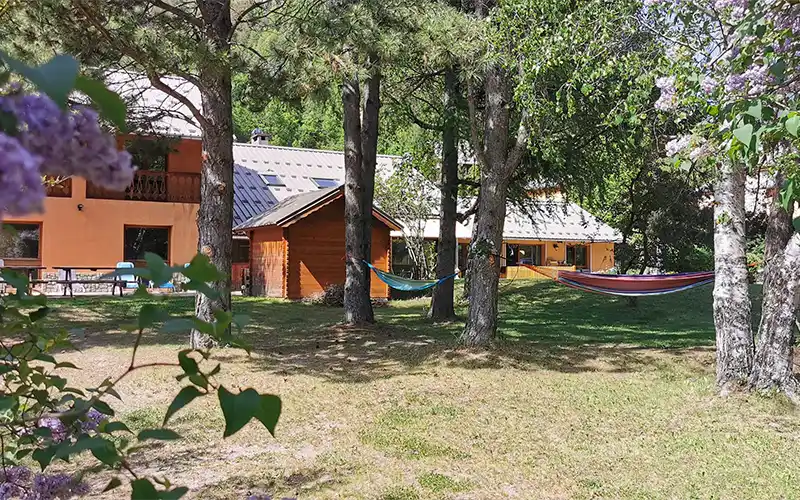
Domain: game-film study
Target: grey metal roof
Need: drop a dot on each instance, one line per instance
(147, 105)
(544, 220)
(289, 207)
(298, 167)
(251, 195)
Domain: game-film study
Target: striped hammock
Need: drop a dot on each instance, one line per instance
(627, 285)
(405, 284)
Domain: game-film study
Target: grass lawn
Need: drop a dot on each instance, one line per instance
(583, 398)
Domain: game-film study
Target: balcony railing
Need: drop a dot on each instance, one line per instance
(60, 188)
(175, 187)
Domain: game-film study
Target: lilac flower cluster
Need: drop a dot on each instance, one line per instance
(15, 482)
(21, 189)
(667, 101)
(92, 420)
(786, 18)
(49, 140)
(678, 144)
(709, 84)
(58, 430)
(738, 8)
(753, 82)
(55, 486)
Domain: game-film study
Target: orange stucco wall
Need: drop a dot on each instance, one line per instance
(186, 156)
(94, 236)
(601, 257)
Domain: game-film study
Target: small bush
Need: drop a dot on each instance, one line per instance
(331, 296)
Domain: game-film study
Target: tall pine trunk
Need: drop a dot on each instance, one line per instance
(357, 305)
(369, 158)
(442, 303)
(497, 165)
(485, 247)
(772, 366)
(731, 297)
(215, 216)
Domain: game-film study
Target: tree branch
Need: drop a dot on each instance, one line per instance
(475, 135)
(156, 81)
(178, 12)
(471, 211)
(241, 17)
(469, 182)
(514, 157)
(152, 74)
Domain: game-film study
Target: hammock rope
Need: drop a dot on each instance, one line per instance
(406, 284)
(627, 285)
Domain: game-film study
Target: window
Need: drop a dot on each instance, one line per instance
(241, 250)
(578, 256)
(20, 241)
(272, 180)
(140, 240)
(325, 183)
(524, 254)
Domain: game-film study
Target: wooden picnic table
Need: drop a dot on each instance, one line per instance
(68, 280)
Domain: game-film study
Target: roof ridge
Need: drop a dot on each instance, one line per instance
(310, 150)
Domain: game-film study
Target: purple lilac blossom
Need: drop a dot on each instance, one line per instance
(786, 18)
(13, 481)
(67, 143)
(55, 486)
(58, 430)
(93, 420)
(667, 100)
(709, 84)
(734, 84)
(21, 189)
(678, 144)
(758, 78)
(43, 129)
(95, 155)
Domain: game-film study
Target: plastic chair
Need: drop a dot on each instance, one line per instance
(128, 278)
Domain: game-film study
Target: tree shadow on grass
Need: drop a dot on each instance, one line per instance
(543, 325)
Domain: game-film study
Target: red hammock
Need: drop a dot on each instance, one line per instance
(630, 285)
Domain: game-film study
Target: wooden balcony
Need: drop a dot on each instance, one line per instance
(58, 187)
(172, 187)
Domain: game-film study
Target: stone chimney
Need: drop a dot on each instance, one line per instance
(258, 136)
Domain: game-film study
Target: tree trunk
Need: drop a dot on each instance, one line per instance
(369, 158)
(772, 366)
(215, 216)
(481, 326)
(357, 305)
(442, 304)
(731, 298)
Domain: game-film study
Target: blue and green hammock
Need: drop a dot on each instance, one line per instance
(406, 284)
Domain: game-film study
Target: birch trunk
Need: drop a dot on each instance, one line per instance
(215, 215)
(442, 303)
(731, 297)
(772, 366)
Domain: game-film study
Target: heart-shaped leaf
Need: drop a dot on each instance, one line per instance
(744, 134)
(239, 409)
